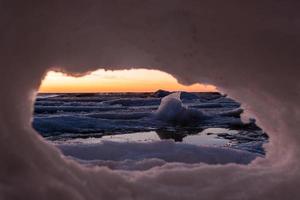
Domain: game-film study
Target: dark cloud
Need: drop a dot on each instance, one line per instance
(249, 49)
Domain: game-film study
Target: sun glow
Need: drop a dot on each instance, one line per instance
(133, 80)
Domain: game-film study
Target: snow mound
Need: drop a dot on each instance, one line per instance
(172, 111)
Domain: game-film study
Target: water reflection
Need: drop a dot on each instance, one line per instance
(176, 134)
(216, 137)
(207, 137)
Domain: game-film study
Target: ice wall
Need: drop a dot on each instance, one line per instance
(249, 49)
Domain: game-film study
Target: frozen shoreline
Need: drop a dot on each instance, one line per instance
(72, 121)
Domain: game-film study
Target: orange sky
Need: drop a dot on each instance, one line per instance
(134, 80)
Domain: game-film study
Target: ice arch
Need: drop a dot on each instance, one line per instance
(247, 48)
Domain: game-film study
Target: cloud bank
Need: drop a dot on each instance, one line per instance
(248, 49)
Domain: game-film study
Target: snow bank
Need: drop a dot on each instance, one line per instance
(129, 154)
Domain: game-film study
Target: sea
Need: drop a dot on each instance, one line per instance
(139, 131)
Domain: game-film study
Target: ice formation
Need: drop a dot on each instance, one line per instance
(249, 49)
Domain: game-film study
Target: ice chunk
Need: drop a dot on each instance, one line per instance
(188, 96)
(160, 93)
(171, 110)
(232, 113)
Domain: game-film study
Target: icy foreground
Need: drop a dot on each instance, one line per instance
(154, 128)
(144, 156)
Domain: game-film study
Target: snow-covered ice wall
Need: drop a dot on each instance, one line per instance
(249, 49)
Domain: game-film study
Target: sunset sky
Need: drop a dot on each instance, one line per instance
(134, 80)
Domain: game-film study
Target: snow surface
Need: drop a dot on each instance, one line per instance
(130, 155)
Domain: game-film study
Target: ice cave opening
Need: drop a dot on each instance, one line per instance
(122, 120)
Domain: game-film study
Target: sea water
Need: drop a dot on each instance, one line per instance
(84, 123)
